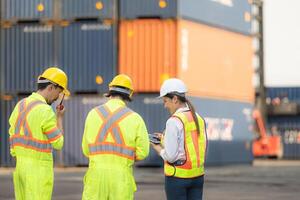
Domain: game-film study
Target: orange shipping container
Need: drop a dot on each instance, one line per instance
(213, 62)
(147, 52)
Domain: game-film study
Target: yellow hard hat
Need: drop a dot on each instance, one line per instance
(123, 81)
(57, 76)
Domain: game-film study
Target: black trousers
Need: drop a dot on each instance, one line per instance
(184, 188)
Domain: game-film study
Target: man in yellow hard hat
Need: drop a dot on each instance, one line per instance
(114, 138)
(34, 131)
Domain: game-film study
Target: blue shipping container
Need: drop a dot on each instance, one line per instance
(228, 153)
(289, 129)
(225, 120)
(74, 9)
(26, 50)
(87, 53)
(232, 15)
(27, 9)
(289, 93)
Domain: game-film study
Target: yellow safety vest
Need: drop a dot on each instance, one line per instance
(110, 126)
(195, 148)
(112, 129)
(27, 136)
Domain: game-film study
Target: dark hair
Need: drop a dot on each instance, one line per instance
(124, 97)
(181, 97)
(42, 86)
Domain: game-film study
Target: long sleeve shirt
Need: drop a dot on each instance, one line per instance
(174, 139)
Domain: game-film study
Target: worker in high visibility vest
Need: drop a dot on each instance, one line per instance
(34, 131)
(114, 138)
(183, 145)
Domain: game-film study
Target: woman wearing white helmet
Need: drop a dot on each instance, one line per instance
(183, 145)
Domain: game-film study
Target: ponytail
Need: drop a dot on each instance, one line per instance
(191, 107)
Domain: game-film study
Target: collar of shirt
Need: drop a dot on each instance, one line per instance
(117, 101)
(183, 109)
(37, 96)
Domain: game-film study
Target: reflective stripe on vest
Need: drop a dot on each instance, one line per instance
(27, 140)
(195, 148)
(110, 126)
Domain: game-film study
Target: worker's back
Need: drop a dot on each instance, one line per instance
(114, 137)
(114, 134)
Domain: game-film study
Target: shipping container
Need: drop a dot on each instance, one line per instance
(281, 46)
(19, 10)
(232, 15)
(220, 62)
(26, 50)
(78, 9)
(290, 94)
(212, 62)
(288, 127)
(229, 153)
(147, 52)
(90, 62)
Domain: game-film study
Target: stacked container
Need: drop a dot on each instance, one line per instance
(287, 125)
(86, 43)
(205, 43)
(86, 50)
(27, 48)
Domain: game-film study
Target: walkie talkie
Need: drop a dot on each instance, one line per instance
(60, 106)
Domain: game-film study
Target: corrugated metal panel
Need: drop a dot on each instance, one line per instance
(225, 120)
(104, 9)
(92, 55)
(147, 52)
(26, 10)
(26, 50)
(288, 93)
(155, 117)
(228, 153)
(131, 9)
(233, 15)
(214, 62)
(6, 108)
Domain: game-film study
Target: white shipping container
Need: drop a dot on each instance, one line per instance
(281, 43)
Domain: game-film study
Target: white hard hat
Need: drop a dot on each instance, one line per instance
(172, 85)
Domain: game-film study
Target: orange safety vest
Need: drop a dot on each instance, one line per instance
(110, 125)
(27, 140)
(195, 145)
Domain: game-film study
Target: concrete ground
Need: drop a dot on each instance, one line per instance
(276, 180)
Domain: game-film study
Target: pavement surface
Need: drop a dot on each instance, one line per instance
(264, 180)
